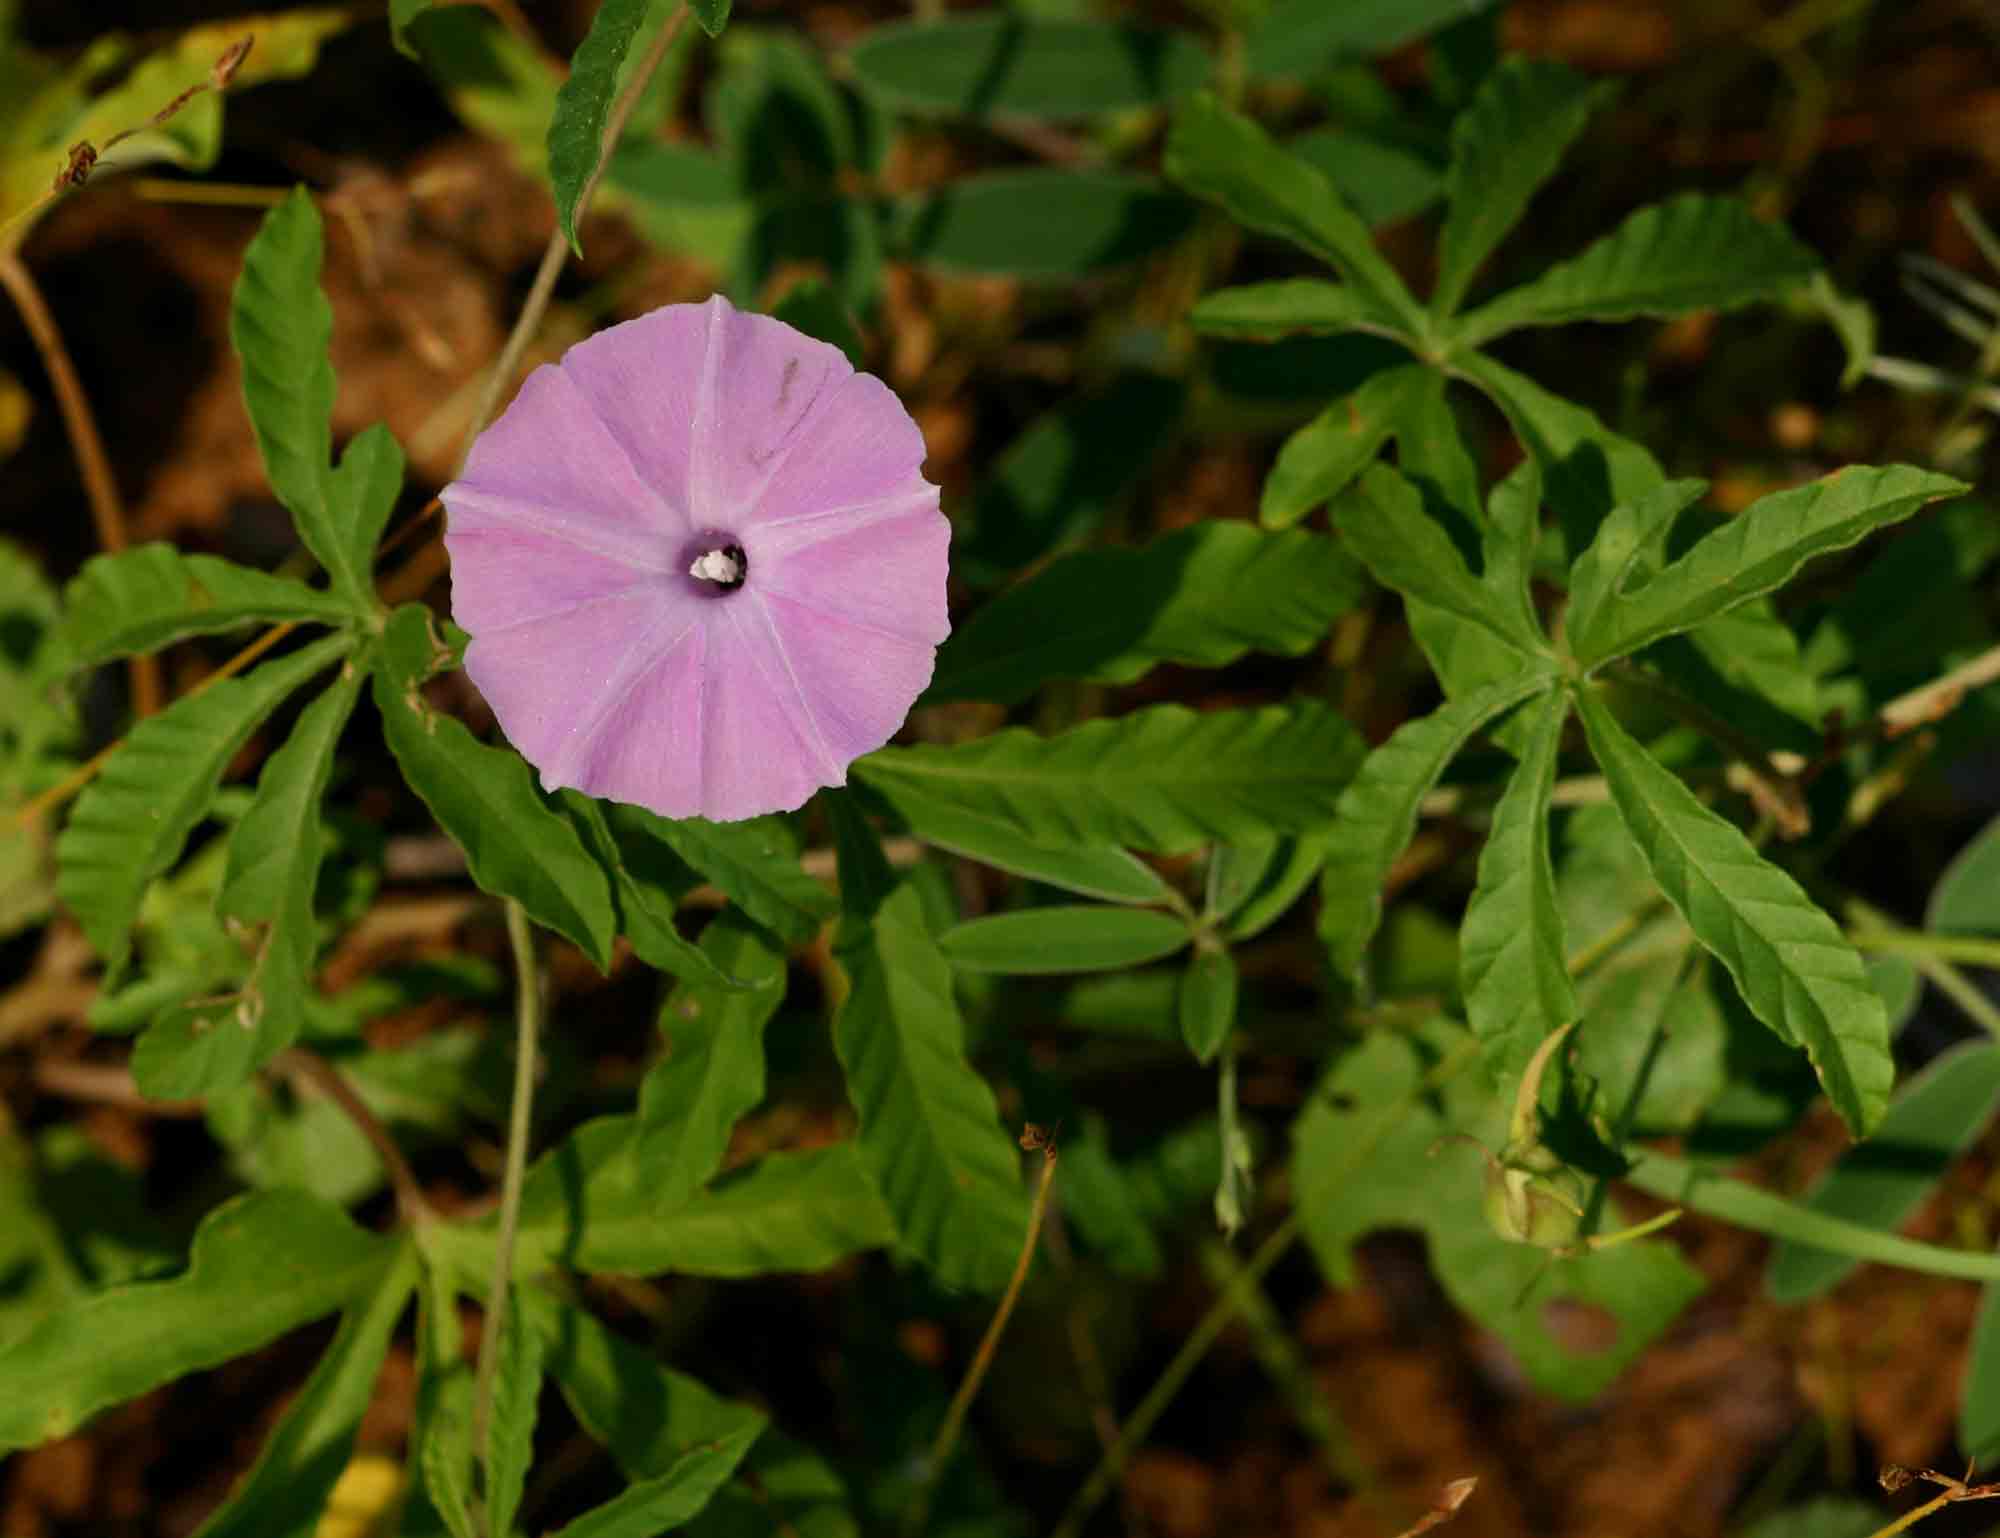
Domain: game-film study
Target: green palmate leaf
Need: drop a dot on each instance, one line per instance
(1065, 474)
(1879, 1184)
(1301, 37)
(930, 1128)
(1063, 939)
(1378, 811)
(648, 1415)
(1384, 523)
(646, 898)
(713, 1071)
(1003, 65)
(576, 130)
(261, 1265)
(755, 863)
(151, 596)
(1227, 158)
(1757, 551)
(1101, 871)
(1692, 253)
(1503, 147)
(1201, 597)
(133, 821)
(1262, 310)
(485, 799)
(1041, 222)
(1321, 458)
(286, 1491)
(1791, 964)
(1512, 952)
(658, 1505)
(1164, 778)
(510, 1437)
(1208, 1002)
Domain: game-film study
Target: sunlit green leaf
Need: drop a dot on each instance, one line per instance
(152, 595)
(1280, 308)
(1323, 457)
(576, 130)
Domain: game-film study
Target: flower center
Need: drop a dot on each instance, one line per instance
(721, 562)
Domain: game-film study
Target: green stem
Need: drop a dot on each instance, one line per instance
(527, 1027)
(1873, 930)
(1971, 949)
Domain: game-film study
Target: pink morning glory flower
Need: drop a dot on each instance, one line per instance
(700, 565)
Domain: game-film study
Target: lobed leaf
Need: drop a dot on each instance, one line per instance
(1880, 1183)
(261, 1265)
(1690, 253)
(713, 1070)
(485, 799)
(1792, 965)
(583, 103)
(1513, 956)
(1261, 311)
(1016, 66)
(134, 819)
(1164, 778)
(930, 1128)
(1320, 459)
(1757, 551)
(1378, 812)
(1225, 157)
(1504, 146)
(150, 596)
(1063, 939)
(1200, 597)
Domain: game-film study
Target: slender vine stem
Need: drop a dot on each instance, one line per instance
(309, 1068)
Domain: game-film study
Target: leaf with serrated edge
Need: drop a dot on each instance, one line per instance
(1227, 158)
(1201, 597)
(930, 1128)
(655, 1506)
(755, 863)
(1512, 954)
(1792, 965)
(152, 595)
(1322, 458)
(261, 1265)
(134, 819)
(1378, 811)
(485, 799)
(576, 130)
(1503, 146)
(1063, 939)
(1384, 523)
(713, 1070)
(1690, 253)
(510, 1434)
(1757, 551)
(1164, 778)
(287, 1488)
(1259, 311)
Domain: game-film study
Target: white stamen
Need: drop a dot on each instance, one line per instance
(717, 566)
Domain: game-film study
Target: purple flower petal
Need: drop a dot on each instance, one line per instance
(699, 437)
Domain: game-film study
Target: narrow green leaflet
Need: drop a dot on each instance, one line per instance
(1324, 456)
(1384, 523)
(1879, 1183)
(1511, 947)
(1378, 812)
(998, 64)
(261, 1265)
(646, 904)
(655, 1506)
(134, 819)
(1201, 597)
(756, 863)
(361, 495)
(1063, 939)
(1102, 871)
(1165, 778)
(713, 1070)
(151, 596)
(576, 131)
(1227, 158)
(930, 1127)
(1690, 253)
(1791, 963)
(1262, 311)
(1629, 545)
(286, 1491)
(517, 1389)
(485, 799)
(1757, 551)
(1503, 147)
(1207, 1002)
(1966, 899)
